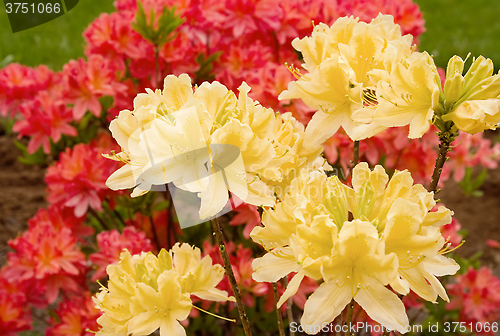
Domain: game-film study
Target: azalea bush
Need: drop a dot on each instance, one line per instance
(319, 123)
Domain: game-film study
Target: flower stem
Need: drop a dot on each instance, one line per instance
(348, 318)
(289, 311)
(445, 140)
(229, 272)
(278, 311)
(386, 332)
(355, 157)
(157, 75)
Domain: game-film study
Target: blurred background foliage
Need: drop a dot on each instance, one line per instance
(453, 27)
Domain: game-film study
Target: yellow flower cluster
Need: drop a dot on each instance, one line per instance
(357, 240)
(146, 292)
(345, 62)
(175, 135)
(367, 77)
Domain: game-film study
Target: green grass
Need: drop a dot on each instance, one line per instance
(457, 27)
(53, 43)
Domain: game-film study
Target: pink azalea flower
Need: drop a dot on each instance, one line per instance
(16, 85)
(86, 82)
(246, 214)
(248, 16)
(45, 119)
(112, 36)
(111, 245)
(46, 258)
(59, 217)
(14, 314)
(77, 316)
(476, 294)
(78, 179)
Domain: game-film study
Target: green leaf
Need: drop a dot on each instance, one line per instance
(37, 158)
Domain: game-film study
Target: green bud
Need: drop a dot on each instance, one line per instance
(455, 64)
(453, 89)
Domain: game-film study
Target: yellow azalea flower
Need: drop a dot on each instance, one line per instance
(197, 275)
(146, 292)
(344, 64)
(184, 135)
(474, 116)
(410, 95)
(357, 240)
(360, 272)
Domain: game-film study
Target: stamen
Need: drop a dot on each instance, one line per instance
(446, 249)
(395, 104)
(295, 72)
(355, 102)
(215, 315)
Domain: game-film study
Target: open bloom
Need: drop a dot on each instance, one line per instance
(146, 292)
(357, 240)
(344, 63)
(208, 141)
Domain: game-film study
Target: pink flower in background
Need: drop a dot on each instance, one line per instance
(20, 84)
(252, 16)
(16, 82)
(470, 151)
(493, 243)
(406, 13)
(45, 119)
(78, 179)
(450, 233)
(242, 267)
(48, 259)
(112, 36)
(111, 244)
(61, 217)
(77, 316)
(246, 214)
(14, 314)
(476, 294)
(86, 82)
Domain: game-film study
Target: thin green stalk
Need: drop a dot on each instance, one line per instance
(278, 311)
(230, 274)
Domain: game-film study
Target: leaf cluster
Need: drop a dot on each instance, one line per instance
(168, 22)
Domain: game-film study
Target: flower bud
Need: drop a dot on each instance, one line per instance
(455, 64)
(480, 69)
(487, 88)
(453, 89)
